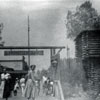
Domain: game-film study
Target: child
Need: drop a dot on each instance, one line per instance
(16, 87)
(22, 84)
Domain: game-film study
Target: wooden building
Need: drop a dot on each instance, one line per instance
(16, 68)
(88, 50)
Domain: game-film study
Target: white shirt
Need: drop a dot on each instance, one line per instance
(16, 86)
(5, 76)
(44, 79)
(22, 81)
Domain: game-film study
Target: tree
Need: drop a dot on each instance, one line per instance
(84, 18)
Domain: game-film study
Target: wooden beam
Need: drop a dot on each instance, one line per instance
(16, 72)
(32, 47)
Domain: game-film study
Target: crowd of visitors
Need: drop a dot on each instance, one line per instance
(29, 84)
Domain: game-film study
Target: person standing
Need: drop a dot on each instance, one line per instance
(6, 81)
(22, 84)
(44, 84)
(37, 84)
(30, 84)
(16, 87)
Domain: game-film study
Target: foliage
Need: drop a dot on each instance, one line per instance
(84, 18)
(44, 72)
(73, 80)
(72, 73)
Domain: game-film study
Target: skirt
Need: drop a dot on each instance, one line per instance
(7, 89)
(29, 91)
(2, 88)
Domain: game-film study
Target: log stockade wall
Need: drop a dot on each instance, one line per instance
(88, 50)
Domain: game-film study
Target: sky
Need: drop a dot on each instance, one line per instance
(47, 25)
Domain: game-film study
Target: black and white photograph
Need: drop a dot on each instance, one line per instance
(49, 49)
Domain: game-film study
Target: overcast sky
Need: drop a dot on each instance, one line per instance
(47, 23)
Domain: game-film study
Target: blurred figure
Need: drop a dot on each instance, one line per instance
(44, 79)
(50, 86)
(37, 84)
(45, 84)
(16, 87)
(6, 84)
(22, 84)
(29, 92)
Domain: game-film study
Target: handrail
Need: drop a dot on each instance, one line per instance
(61, 95)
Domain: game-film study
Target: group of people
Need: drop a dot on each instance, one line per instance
(19, 84)
(48, 86)
(29, 84)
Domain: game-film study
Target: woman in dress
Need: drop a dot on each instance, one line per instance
(6, 80)
(30, 84)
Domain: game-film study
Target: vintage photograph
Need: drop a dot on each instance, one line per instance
(49, 50)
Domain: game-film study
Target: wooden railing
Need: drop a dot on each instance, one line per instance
(58, 90)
